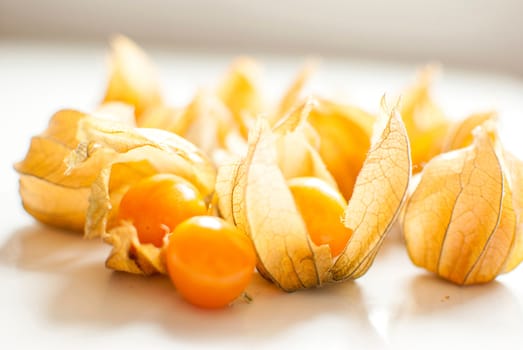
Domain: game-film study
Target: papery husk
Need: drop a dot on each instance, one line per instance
(253, 194)
(132, 77)
(118, 112)
(424, 120)
(133, 154)
(51, 193)
(212, 128)
(293, 95)
(514, 172)
(165, 117)
(463, 221)
(240, 92)
(378, 196)
(460, 133)
(344, 139)
(205, 121)
(129, 255)
(296, 141)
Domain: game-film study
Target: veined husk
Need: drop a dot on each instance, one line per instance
(463, 221)
(253, 194)
(132, 77)
(51, 194)
(130, 155)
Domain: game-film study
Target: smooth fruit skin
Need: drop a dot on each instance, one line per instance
(321, 208)
(157, 204)
(209, 261)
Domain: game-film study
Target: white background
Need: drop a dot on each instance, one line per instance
(480, 33)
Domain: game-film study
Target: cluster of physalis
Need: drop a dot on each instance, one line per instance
(305, 190)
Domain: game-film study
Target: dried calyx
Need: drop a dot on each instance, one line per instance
(463, 221)
(254, 194)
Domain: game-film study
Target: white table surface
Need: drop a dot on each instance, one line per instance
(55, 292)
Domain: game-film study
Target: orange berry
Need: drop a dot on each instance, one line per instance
(321, 208)
(209, 261)
(157, 204)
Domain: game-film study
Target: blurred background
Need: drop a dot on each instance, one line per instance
(476, 34)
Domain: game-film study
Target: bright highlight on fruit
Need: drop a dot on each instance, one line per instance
(321, 207)
(209, 261)
(157, 204)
